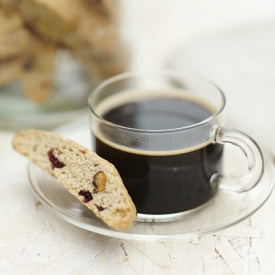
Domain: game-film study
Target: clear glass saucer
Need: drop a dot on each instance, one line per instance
(223, 211)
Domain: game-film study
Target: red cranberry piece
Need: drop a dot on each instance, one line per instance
(55, 162)
(86, 194)
(100, 208)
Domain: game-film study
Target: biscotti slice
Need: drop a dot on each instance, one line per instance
(9, 70)
(41, 19)
(93, 180)
(103, 53)
(14, 38)
(38, 70)
(92, 36)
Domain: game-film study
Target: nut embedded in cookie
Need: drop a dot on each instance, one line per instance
(99, 181)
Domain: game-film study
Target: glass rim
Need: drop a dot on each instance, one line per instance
(131, 74)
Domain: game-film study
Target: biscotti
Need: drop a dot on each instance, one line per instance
(14, 38)
(38, 70)
(24, 57)
(79, 26)
(87, 29)
(93, 180)
(9, 70)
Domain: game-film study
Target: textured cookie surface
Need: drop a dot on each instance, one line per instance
(9, 70)
(38, 70)
(14, 39)
(93, 180)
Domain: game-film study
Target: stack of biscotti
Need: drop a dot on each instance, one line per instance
(13, 40)
(86, 28)
(23, 56)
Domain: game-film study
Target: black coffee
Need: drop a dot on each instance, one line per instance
(172, 182)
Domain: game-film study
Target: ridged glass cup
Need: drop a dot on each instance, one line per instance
(169, 171)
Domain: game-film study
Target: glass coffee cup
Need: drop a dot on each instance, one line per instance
(164, 132)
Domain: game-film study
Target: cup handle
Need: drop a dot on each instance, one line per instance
(253, 155)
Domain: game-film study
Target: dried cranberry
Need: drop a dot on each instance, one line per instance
(55, 162)
(86, 194)
(100, 208)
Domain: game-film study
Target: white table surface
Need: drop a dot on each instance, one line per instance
(34, 241)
